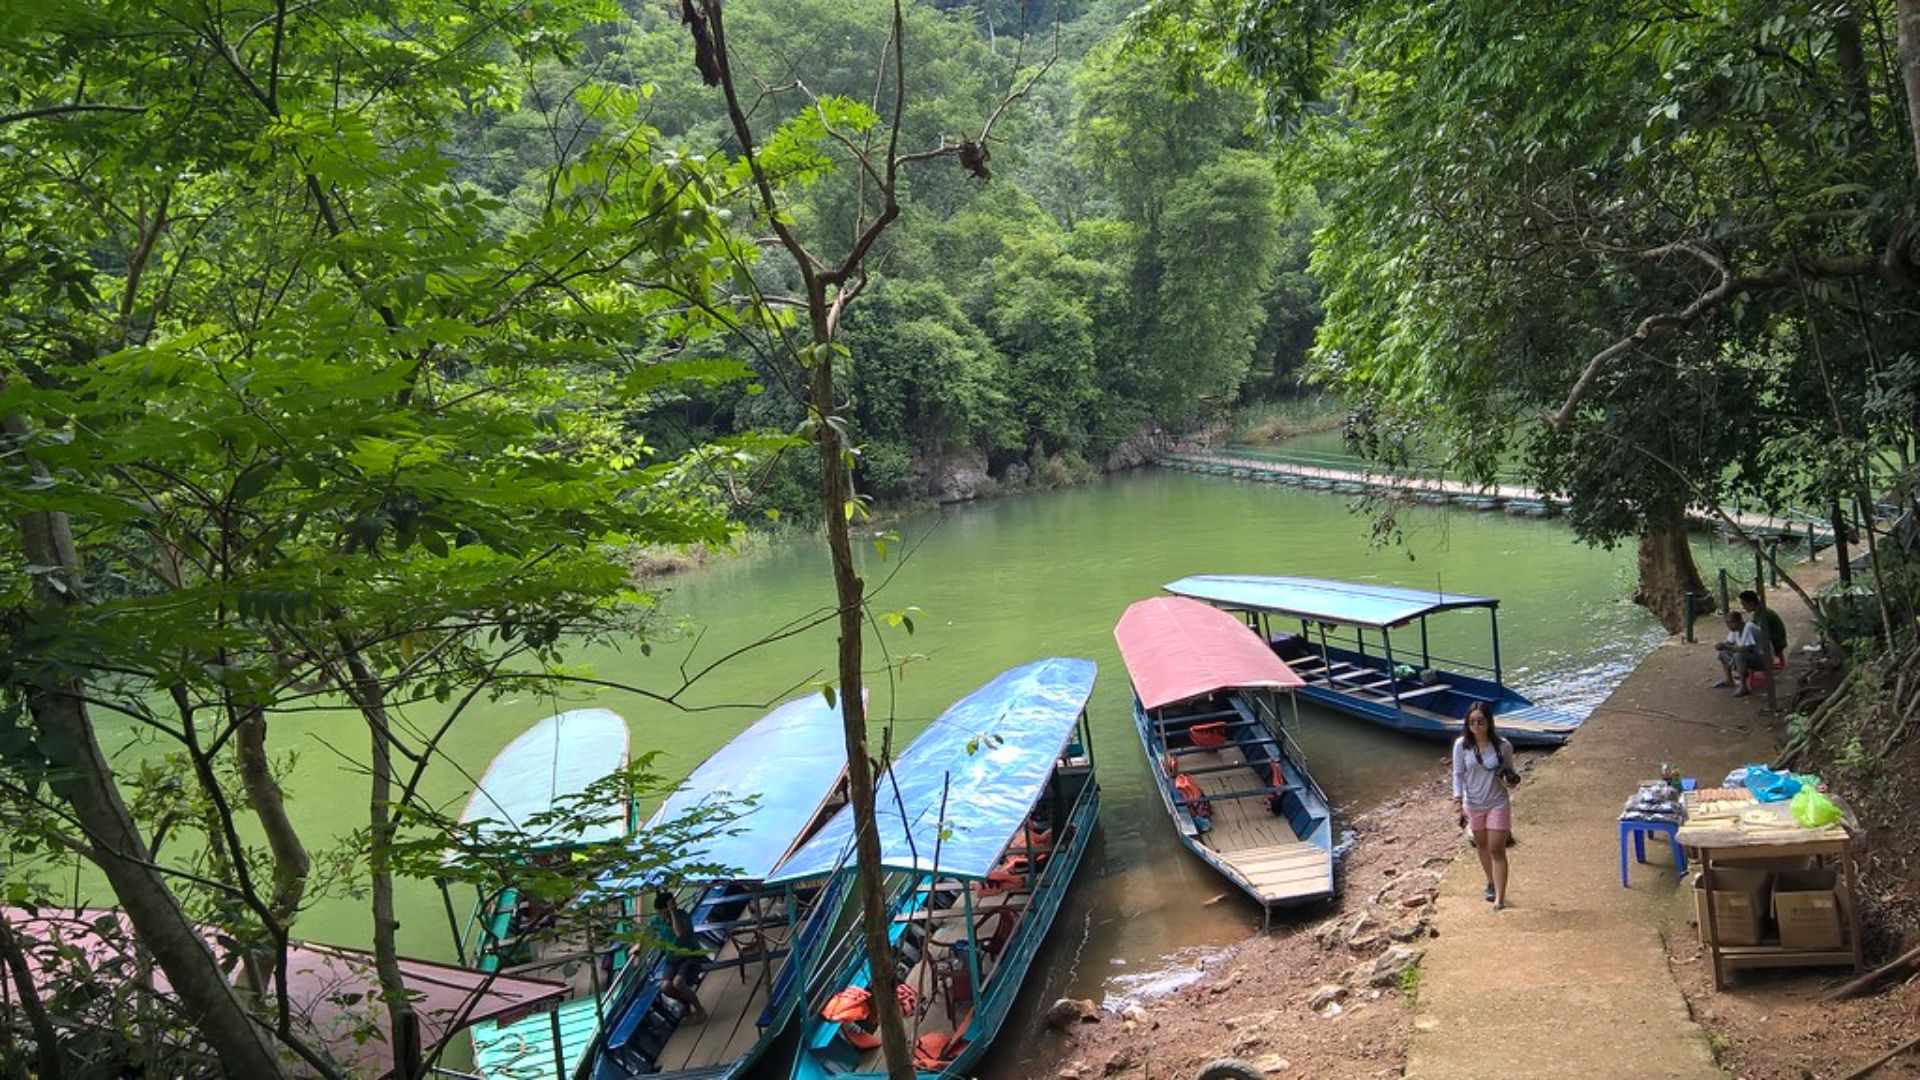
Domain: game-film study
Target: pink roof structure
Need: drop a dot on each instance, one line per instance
(1178, 649)
(334, 992)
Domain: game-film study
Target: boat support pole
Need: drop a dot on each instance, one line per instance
(453, 921)
(1494, 614)
(1386, 638)
(1426, 654)
(973, 941)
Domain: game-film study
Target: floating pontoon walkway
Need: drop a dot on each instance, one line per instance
(1515, 499)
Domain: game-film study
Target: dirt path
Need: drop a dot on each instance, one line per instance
(1574, 978)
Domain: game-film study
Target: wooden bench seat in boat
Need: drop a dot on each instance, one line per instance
(1010, 900)
(1435, 688)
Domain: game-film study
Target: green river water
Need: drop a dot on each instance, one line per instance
(1010, 580)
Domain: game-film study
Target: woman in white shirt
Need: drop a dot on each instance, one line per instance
(1482, 769)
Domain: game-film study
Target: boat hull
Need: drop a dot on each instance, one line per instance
(1274, 876)
(990, 1012)
(1438, 716)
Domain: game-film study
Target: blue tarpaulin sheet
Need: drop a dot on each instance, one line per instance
(788, 762)
(1346, 602)
(997, 746)
(557, 758)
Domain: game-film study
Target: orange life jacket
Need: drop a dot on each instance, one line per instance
(934, 1049)
(1214, 734)
(1190, 791)
(854, 1004)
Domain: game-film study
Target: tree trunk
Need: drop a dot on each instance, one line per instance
(403, 1023)
(83, 778)
(836, 493)
(1909, 21)
(1668, 574)
(47, 1041)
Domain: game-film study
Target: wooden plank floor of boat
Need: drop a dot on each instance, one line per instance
(1259, 845)
(733, 1005)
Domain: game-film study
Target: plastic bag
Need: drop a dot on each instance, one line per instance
(1814, 810)
(1770, 786)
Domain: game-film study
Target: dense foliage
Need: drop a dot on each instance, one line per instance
(1680, 234)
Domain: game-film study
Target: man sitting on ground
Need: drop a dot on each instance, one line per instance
(1771, 628)
(1739, 654)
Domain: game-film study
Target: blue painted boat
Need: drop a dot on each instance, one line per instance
(982, 822)
(1343, 645)
(554, 762)
(1235, 784)
(769, 789)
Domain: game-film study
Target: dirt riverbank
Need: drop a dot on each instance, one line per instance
(1303, 999)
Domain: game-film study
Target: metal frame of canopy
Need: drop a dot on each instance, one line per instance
(1340, 603)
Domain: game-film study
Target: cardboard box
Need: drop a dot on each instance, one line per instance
(1739, 905)
(1807, 907)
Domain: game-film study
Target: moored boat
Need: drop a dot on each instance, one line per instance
(1231, 779)
(982, 822)
(771, 787)
(1344, 648)
(553, 764)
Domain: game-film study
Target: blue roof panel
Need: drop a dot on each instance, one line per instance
(788, 762)
(997, 746)
(554, 760)
(1345, 602)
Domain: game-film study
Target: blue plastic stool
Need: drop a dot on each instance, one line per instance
(1639, 830)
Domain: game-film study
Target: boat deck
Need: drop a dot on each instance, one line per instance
(1278, 866)
(734, 991)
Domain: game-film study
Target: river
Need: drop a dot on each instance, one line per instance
(1009, 580)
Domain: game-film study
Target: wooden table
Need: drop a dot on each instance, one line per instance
(1721, 839)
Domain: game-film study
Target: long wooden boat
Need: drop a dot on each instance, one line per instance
(1344, 647)
(556, 761)
(773, 786)
(982, 822)
(1231, 778)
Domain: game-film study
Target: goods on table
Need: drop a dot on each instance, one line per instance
(1655, 801)
(1720, 794)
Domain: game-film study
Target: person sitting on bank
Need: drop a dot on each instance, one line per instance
(1739, 653)
(685, 956)
(1771, 629)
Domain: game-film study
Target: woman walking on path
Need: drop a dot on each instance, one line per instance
(1482, 769)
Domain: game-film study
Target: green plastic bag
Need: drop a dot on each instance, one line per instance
(1814, 810)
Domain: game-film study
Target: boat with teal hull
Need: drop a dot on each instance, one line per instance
(1339, 636)
(983, 821)
(554, 763)
(767, 791)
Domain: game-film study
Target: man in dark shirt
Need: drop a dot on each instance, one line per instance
(1772, 627)
(685, 956)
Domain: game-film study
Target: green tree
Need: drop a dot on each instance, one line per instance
(293, 412)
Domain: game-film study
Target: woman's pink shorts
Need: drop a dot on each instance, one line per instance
(1499, 819)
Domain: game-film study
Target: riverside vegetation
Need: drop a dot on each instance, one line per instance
(349, 346)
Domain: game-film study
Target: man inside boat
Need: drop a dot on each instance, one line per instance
(673, 929)
(1739, 653)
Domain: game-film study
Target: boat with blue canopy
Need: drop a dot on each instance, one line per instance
(552, 766)
(765, 792)
(981, 822)
(1232, 778)
(1345, 647)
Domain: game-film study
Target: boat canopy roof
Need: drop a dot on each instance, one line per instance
(555, 759)
(786, 764)
(1178, 649)
(997, 746)
(1346, 602)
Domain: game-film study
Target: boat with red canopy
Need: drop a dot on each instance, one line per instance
(1206, 693)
